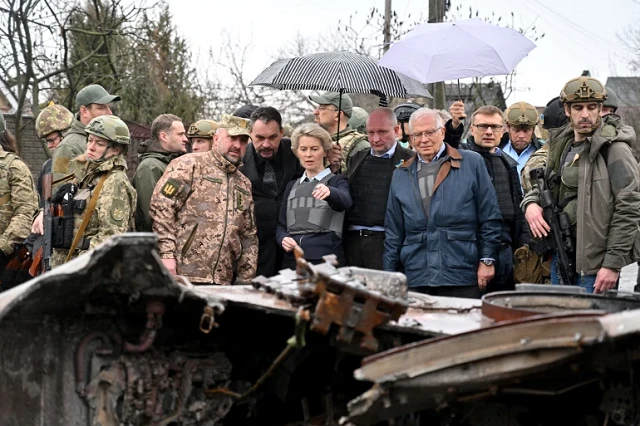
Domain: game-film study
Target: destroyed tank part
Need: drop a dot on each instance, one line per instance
(505, 306)
(356, 300)
(159, 389)
(567, 361)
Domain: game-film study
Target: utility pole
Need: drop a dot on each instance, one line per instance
(387, 26)
(436, 14)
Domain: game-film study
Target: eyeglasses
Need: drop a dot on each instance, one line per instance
(426, 133)
(493, 127)
(52, 140)
(324, 108)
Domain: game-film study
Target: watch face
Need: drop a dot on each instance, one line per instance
(488, 262)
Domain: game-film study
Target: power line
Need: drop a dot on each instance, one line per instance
(573, 24)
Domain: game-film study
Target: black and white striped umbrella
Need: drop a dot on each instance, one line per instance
(339, 72)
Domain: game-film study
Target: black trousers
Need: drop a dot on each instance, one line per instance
(364, 251)
(464, 291)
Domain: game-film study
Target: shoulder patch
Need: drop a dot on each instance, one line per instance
(118, 208)
(171, 188)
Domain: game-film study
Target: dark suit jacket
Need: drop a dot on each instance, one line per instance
(267, 206)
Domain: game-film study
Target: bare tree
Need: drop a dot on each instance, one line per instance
(35, 47)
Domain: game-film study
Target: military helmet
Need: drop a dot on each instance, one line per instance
(404, 111)
(111, 128)
(522, 114)
(612, 100)
(202, 129)
(553, 115)
(583, 89)
(54, 118)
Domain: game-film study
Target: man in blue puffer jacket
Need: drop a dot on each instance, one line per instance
(443, 222)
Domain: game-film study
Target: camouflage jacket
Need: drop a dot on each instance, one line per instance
(115, 206)
(153, 162)
(18, 201)
(72, 146)
(351, 142)
(538, 160)
(203, 213)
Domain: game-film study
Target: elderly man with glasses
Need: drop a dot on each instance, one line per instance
(443, 221)
(487, 127)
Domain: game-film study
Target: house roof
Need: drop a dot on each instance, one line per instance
(627, 89)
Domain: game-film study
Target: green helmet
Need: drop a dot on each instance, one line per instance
(54, 118)
(583, 89)
(202, 129)
(612, 100)
(111, 128)
(522, 114)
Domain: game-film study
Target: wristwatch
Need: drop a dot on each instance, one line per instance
(488, 262)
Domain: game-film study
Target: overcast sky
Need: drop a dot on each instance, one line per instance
(579, 34)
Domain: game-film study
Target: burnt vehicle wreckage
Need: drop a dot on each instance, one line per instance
(111, 339)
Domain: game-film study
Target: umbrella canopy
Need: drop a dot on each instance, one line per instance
(453, 50)
(339, 72)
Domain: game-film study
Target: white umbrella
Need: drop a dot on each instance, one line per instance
(454, 50)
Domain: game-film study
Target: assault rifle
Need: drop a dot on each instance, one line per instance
(47, 183)
(559, 239)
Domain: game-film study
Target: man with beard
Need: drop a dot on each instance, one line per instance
(519, 142)
(594, 178)
(269, 164)
(202, 211)
(168, 141)
(332, 112)
(487, 124)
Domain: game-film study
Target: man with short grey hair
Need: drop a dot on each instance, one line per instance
(442, 222)
(168, 142)
(369, 181)
(92, 101)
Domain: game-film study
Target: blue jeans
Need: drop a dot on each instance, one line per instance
(586, 281)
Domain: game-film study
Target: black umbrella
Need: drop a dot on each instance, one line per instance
(339, 72)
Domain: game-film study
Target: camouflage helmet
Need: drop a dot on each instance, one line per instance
(54, 118)
(111, 128)
(202, 129)
(583, 89)
(612, 100)
(522, 114)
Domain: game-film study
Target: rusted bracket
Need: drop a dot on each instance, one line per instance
(354, 309)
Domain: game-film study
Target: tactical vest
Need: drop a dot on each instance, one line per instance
(6, 209)
(502, 185)
(70, 203)
(568, 182)
(347, 143)
(370, 191)
(427, 174)
(307, 215)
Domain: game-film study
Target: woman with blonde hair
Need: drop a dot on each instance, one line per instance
(313, 207)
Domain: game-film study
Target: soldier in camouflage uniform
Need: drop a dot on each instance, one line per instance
(93, 101)
(203, 211)
(330, 110)
(200, 135)
(18, 198)
(115, 205)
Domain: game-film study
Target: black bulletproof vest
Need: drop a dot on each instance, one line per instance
(369, 190)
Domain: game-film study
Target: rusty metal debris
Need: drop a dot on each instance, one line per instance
(357, 300)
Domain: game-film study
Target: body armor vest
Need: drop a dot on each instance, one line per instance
(370, 191)
(306, 215)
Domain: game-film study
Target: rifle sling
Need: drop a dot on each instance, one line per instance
(87, 216)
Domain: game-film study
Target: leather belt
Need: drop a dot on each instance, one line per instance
(365, 233)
